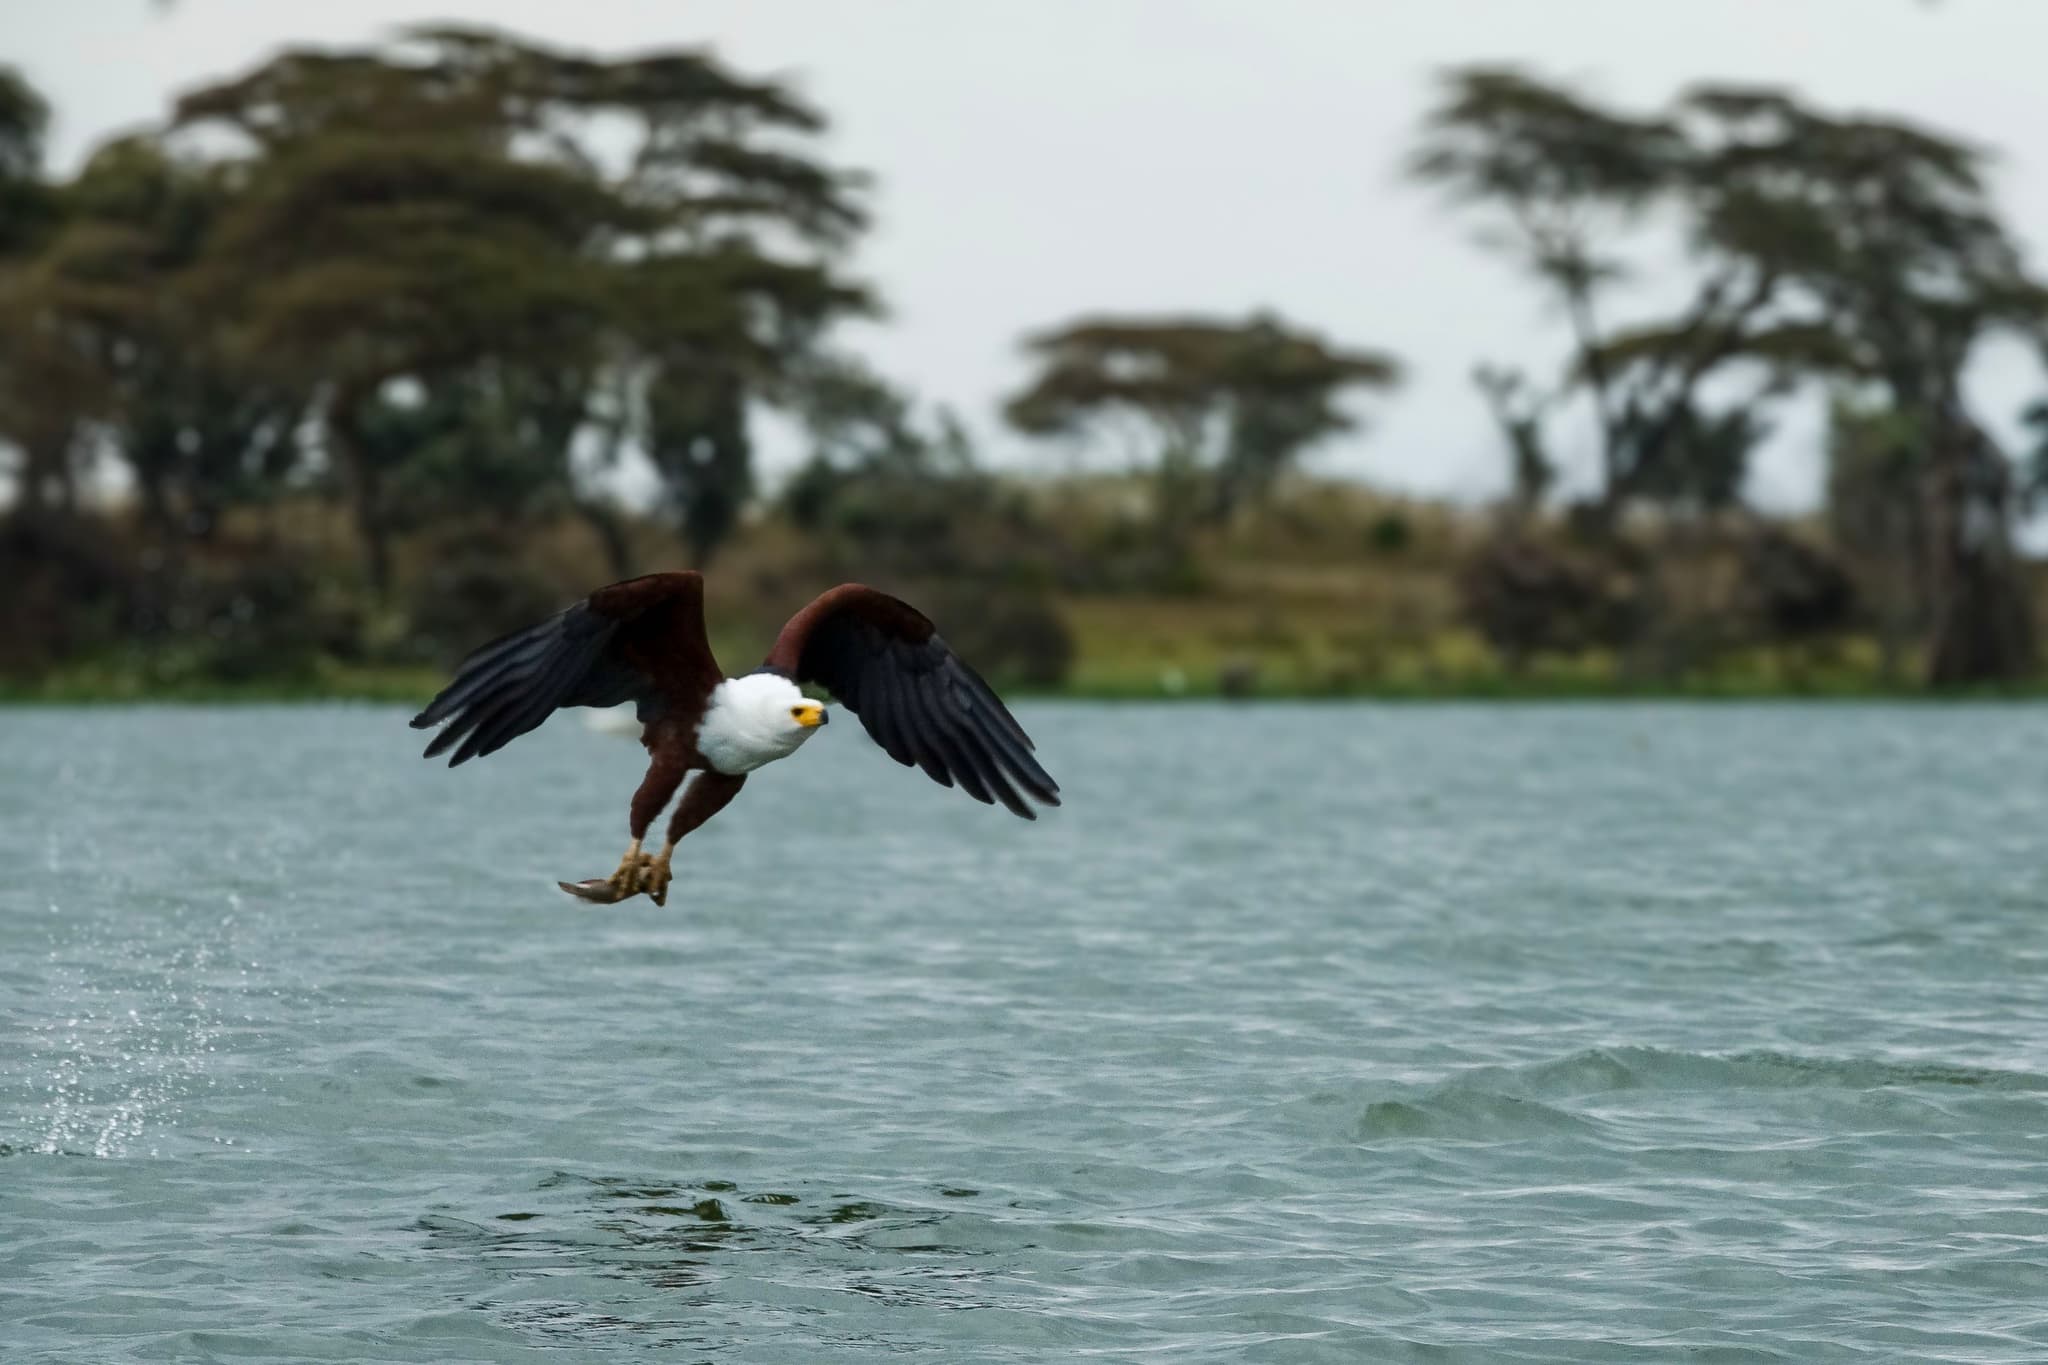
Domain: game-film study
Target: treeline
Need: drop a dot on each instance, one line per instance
(342, 361)
(1853, 260)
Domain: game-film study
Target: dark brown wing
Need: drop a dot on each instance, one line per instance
(640, 641)
(886, 663)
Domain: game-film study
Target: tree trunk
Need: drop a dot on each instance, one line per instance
(1982, 628)
(604, 522)
(157, 515)
(365, 484)
(1177, 492)
(374, 533)
(1894, 626)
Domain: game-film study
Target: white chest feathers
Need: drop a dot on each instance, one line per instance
(755, 719)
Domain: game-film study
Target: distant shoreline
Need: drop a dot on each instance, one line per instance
(404, 692)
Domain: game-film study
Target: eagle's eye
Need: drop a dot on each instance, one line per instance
(796, 713)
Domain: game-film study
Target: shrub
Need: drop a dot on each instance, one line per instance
(1793, 590)
(1525, 598)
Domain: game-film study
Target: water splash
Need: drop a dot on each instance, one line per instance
(119, 1033)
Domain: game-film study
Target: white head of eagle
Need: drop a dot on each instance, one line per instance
(755, 719)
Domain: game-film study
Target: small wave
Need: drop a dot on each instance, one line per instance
(1904, 938)
(1466, 1116)
(1597, 1070)
(1506, 1103)
(1444, 1112)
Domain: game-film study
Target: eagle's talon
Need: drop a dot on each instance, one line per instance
(655, 877)
(637, 873)
(631, 878)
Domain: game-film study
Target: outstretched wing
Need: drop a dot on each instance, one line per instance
(886, 663)
(640, 641)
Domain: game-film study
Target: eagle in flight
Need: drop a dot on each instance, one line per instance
(643, 641)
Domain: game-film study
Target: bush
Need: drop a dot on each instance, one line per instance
(67, 593)
(1525, 598)
(247, 622)
(1389, 534)
(1793, 590)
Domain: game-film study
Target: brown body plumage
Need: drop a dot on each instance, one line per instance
(643, 641)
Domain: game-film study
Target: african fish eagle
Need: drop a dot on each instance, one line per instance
(643, 641)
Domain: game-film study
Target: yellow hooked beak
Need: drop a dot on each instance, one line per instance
(810, 715)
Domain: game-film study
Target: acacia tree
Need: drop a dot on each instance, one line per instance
(1566, 184)
(385, 233)
(727, 275)
(441, 212)
(1221, 408)
(1895, 268)
(1862, 251)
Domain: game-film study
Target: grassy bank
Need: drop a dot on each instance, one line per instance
(1331, 591)
(1420, 679)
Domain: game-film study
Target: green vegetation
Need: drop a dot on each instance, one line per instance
(327, 378)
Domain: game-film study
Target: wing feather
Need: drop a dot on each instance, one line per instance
(968, 744)
(922, 703)
(881, 712)
(918, 728)
(984, 756)
(483, 669)
(1017, 761)
(641, 640)
(960, 758)
(476, 693)
(896, 692)
(526, 708)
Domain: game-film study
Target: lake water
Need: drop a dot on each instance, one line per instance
(1303, 1033)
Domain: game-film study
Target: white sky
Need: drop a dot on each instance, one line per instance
(1040, 158)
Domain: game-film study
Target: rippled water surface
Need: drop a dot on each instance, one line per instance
(1319, 1033)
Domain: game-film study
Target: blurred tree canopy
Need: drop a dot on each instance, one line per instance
(448, 280)
(1864, 253)
(354, 354)
(457, 271)
(1219, 409)
(448, 212)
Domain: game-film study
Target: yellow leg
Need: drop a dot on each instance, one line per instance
(655, 876)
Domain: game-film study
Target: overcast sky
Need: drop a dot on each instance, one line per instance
(1040, 158)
